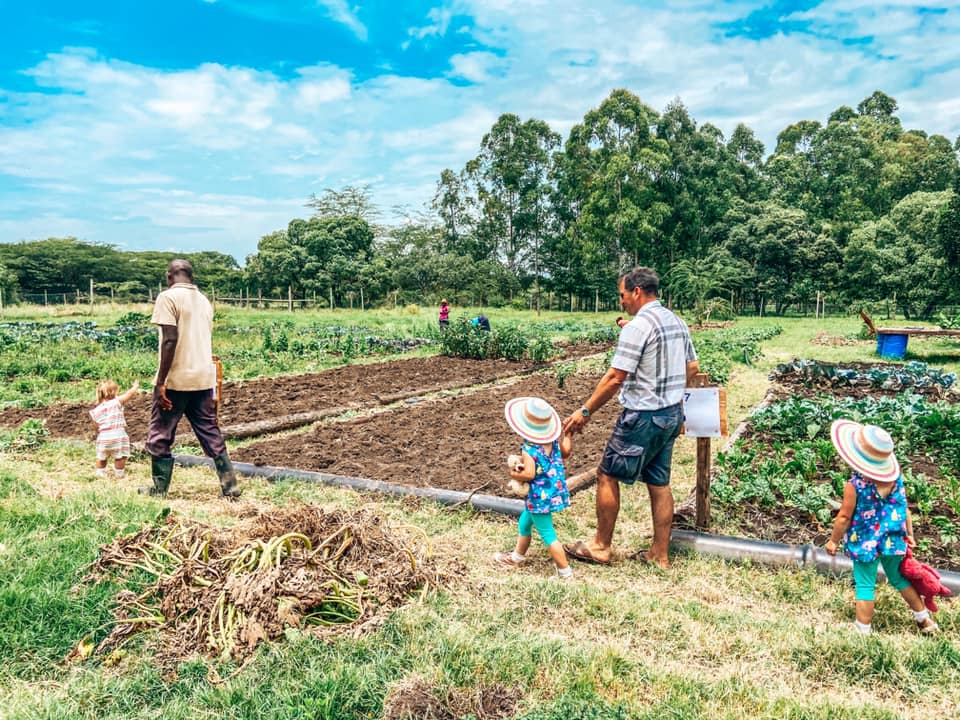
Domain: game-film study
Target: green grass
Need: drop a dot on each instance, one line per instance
(705, 639)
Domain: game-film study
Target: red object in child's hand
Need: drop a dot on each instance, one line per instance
(925, 580)
(620, 321)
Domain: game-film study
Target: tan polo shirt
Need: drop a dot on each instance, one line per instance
(183, 305)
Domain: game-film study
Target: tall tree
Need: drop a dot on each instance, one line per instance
(621, 160)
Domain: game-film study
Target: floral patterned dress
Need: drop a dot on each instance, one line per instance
(548, 489)
(879, 524)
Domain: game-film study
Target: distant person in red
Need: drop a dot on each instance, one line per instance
(185, 380)
(444, 314)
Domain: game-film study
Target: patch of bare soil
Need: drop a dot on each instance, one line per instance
(825, 338)
(416, 698)
(219, 592)
(458, 443)
(251, 400)
(712, 325)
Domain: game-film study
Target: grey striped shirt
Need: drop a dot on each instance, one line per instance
(653, 350)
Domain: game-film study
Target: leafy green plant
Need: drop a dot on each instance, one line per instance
(949, 532)
(540, 349)
(29, 436)
(509, 342)
(920, 490)
(562, 371)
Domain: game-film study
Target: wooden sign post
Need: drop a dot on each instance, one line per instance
(218, 377)
(705, 411)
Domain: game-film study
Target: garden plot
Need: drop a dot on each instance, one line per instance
(249, 401)
(457, 443)
(782, 480)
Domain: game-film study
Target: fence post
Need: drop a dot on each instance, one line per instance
(91, 294)
(44, 298)
(361, 298)
(331, 298)
(290, 298)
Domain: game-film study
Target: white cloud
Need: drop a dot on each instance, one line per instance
(440, 20)
(215, 156)
(342, 13)
(477, 67)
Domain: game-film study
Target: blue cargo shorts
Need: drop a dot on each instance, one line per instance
(641, 445)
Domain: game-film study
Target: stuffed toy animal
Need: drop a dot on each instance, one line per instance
(517, 487)
(925, 580)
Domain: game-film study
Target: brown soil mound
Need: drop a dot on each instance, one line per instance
(416, 697)
(220, 592)
(458, 443)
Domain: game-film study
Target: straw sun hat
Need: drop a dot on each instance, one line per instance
(868, 449)
(533, 419)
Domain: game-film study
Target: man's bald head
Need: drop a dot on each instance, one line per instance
(179, 270)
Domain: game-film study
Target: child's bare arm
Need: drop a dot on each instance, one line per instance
(566, 445)
(529, 469)
(842, 521)
(125, 397)
(910, 540)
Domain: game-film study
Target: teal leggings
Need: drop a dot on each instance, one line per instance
(865, 575)
(543, 522)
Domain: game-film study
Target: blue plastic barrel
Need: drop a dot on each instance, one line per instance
(892, 346)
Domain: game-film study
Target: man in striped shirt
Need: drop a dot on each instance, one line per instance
(653, 363)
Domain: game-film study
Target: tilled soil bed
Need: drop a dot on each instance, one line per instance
(458, 443)
(351, 386)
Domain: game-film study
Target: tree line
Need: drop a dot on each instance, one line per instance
(854, 207)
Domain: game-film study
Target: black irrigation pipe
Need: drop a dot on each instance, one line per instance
(490, 503)
(727, 547)
(773, 553)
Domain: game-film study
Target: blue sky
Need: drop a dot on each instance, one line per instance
(191, 125)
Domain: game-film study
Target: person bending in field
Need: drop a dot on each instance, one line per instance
(112, 438)
(539, 469)
(875, 518)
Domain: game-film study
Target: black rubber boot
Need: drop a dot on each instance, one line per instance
(162, 470)
(228, 478)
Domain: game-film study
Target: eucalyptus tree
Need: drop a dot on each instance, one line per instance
(512, 189)
(791, 169)
(622, 160)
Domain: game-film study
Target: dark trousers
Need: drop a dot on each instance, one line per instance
(198, 406)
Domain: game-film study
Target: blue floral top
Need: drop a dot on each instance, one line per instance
(879, 524)
(548, 489)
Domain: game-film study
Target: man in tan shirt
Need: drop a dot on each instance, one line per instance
(185, 380)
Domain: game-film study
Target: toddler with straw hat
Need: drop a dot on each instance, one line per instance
(540, 465)
(875, 518)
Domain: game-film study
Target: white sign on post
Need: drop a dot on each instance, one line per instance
(701, 407)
